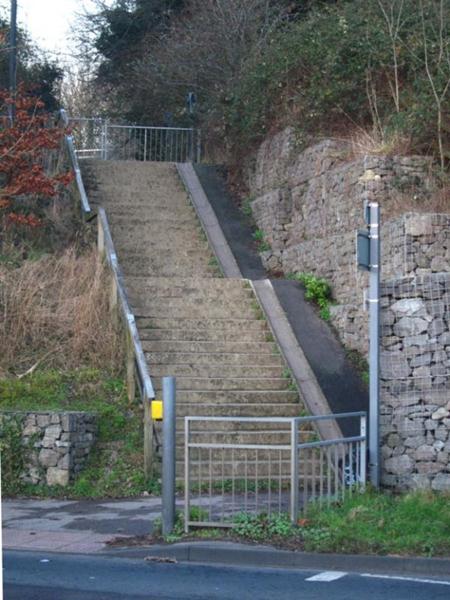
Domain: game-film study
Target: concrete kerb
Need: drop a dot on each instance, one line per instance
(307, 383)
(241, 555)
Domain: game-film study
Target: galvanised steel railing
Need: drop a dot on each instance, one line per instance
(98, 138)
(228, 471)
(138, 376)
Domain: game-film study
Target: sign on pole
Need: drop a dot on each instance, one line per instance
(368, 259)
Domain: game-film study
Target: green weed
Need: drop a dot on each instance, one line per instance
(317, 290)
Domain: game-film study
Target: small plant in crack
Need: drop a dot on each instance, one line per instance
(261, 243)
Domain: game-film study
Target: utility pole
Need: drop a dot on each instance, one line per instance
(13, 60)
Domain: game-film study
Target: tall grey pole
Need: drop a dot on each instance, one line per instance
(168, 461)
(13, 59)
(374, 344)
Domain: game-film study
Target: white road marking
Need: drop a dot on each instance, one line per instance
(400, 578)
(327, 576)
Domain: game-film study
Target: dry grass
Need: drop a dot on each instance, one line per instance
(399, 202)
(361, 142)
(55, 311)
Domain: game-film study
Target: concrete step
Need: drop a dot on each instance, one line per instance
(264, 348)
(141, 268)
(231, 371)
(144, 307)
(213, 358)
(224, 384)
(119, 213)
(233, 427)
(247, 409)
(203, 335)
(135, 242)
(226, 325)
(198, 288)
(235, 397)
(249, 437)
(212, 307)
(161, 232)
(139, 265)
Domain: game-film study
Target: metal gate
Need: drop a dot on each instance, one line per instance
(229, 471)
(99, 138)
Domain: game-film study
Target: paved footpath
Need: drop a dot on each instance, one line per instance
(75, 526)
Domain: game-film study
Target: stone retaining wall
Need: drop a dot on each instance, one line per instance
(310, 205)
(415, 382)
(56, 444)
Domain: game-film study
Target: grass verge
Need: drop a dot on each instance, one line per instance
(413, 524)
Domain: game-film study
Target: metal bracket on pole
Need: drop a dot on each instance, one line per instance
(168, 460)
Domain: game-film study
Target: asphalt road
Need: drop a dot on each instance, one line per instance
(43, 576)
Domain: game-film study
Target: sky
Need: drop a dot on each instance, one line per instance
(48, 22)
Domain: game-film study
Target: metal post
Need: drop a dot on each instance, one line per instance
(1, 533)
(363, 453)
(187, 483)
(374, 344)
(13, 60)
(105, 139)
(294, 471)
(168, 462)
(199, 145)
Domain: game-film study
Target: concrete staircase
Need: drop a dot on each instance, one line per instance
(207, 331)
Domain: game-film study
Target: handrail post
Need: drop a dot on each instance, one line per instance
(131, 381)
(105, 139)
(294, 471)
(100, 239)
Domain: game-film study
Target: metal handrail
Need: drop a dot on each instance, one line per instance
(111, 257)
(75, 165)
(121, 141)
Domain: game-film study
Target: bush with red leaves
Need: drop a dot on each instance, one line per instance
(24, 147)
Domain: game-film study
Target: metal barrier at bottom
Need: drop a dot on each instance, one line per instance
(229, 471)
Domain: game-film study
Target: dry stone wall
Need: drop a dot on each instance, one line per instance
(56, 445)
(415, 384)
(309, 205)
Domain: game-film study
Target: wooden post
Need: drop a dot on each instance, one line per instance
(131, 381)
(148, 440)
(100, 238)
(113, 303)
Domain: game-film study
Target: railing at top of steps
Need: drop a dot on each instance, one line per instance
(99, 138)
(137, 369)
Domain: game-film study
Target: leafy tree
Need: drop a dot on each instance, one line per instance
(36, 72)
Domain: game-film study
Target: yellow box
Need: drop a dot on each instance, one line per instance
(157, 410)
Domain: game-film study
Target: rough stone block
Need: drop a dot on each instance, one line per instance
(57, 476)
(441, 482)
(399, 465)
(48, 458)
